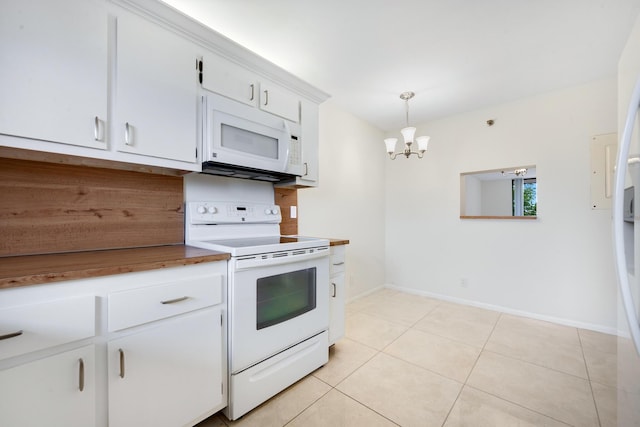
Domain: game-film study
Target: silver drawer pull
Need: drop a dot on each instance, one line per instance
(173, 301)
(334, 290)
(11, 335)
(121, 351)
(252, 92)
(81, 376)
(338, 263)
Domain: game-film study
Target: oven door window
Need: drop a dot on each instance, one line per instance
(285, 296)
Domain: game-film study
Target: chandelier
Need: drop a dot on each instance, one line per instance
(516, 172)
(408, 134)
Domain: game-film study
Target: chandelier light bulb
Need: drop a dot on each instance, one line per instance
(391, 144)
(423, 142)
(408, 134)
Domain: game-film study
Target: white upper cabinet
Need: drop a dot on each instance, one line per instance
(230, 80)
(236, 82)
(156, 91)
(53, 71)
(279, 101)
(119, 81)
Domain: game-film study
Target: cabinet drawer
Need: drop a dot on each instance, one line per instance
(142, 305)
(34, 327)
(337, 259)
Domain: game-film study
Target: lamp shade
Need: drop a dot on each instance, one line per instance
(423, 142)
(408, 133)
(391, 144)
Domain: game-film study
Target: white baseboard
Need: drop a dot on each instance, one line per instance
(508, 310)
(365, 293)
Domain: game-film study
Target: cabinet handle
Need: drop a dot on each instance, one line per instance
(121, 351)
(306, 169)
(338, 263)
(173, 301)
(334, 290)
(266, 97)
(11, 335)
(97, 135)
(127, 133)
(253, 87)
(81, 375)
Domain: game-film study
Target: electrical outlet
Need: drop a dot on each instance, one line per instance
(293, 213)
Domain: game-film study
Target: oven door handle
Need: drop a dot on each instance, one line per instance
(256, 262)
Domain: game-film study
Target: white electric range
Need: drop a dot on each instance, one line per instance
(277, 293)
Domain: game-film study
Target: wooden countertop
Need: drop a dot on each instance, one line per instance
(38, 269)
(338, 242)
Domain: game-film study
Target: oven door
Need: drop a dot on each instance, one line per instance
(275, 304)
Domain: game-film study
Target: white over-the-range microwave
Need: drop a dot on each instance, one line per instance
(245, 142)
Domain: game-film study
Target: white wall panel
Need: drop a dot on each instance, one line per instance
(557, 267)
(349, 203)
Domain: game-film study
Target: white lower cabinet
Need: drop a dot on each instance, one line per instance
(166, 355)
(336, 293)
(134, 349)
(169, 374)
(58, 390)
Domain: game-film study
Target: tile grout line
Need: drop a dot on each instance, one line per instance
(464, 384)
(519, 405)
(586, 367)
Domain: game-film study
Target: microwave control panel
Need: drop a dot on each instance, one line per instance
(295, 155)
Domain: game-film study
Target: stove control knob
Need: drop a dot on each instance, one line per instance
(212, 209)
(201, 209)
(274, 211)
(267, 211)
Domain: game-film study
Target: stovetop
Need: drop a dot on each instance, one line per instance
(260, 245)
(241, 229)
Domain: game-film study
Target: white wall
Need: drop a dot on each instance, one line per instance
(349, 202)
(558, 267)
(496, 197)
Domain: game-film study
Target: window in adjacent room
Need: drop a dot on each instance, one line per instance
(524, 197)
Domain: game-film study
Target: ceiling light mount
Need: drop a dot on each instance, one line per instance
(408, 134)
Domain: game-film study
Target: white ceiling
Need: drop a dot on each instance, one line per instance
(457, 55)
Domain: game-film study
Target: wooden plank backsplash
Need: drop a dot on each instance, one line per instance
(285, 198)
(49, 208)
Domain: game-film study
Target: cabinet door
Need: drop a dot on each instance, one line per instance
(170, 374)
(310, 144)
(156, 82)
(53, 77)
(279, 101)
(230, 80)
(55, 391)
(336, 304)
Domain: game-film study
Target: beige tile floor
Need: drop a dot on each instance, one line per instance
(408, 360)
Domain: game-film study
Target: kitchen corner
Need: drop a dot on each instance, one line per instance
(115, 308)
